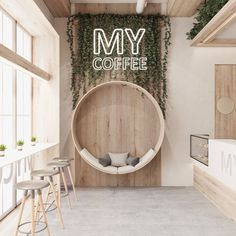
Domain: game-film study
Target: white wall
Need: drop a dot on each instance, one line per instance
(190, 104)
(66, 143)
(66, 98)
(191, 100)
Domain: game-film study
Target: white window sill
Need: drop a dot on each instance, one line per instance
(28, 150)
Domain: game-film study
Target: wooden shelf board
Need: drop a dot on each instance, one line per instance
(219, 22)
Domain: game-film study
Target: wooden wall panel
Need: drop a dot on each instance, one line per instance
(85, 175)
(113, 8)
(225, 86)
(220, 195)
(117, 118)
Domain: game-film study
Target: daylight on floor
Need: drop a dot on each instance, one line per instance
(118, 117)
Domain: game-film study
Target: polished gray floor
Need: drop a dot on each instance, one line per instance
(165, 211)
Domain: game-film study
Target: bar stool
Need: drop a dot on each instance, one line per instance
(32, 186)
(56, 165)
(68, 159)
(42, 174)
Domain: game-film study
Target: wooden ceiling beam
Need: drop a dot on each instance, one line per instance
(14, 59)
(59, 8)
(182, 8)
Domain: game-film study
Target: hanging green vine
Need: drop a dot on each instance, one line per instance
(205, 13)
(154, 46)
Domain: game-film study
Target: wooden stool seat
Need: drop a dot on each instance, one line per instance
(58, 164)
(32, 185)
(68, 159)
(44, 173)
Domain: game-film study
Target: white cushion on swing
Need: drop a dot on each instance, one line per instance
(88, 157)
(125, 169)
(146, 158)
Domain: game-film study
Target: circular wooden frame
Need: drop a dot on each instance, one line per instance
(125, 105)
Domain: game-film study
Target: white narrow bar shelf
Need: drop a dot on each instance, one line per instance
(12, 156)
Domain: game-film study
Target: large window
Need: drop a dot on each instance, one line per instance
(23, 43)
(23, 106)
(15, 109)
(15, 85)
(7, 25)
(6, 105)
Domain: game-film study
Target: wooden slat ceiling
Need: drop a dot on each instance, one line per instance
(182, 8)
(179, 8)
(114, 8)
(58, 8)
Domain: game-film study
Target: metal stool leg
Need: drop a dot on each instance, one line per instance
(72, 182)
(32, 213)
(21, 211)
(65, 185)
(56, 200)
(43, 210)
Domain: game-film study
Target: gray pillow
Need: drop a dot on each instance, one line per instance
(132, 161)
(105, 161)
(118, 159)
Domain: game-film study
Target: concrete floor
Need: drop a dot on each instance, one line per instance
(165, 211)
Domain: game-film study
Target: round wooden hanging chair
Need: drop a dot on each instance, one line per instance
(117, 117)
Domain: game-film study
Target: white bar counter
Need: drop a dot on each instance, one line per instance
(28, 150)
(221, 161)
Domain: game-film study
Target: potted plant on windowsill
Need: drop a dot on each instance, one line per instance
(20, 144)
(33, 141)
(2, 150)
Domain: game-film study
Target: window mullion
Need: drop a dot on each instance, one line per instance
(14, 112)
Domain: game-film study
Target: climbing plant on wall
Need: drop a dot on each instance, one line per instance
(154, 46)
(205, 13)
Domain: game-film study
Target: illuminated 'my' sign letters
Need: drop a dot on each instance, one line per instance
(116, 42)
(117, 39)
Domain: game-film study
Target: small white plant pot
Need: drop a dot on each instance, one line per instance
(33, 143)
(19, 148)
(2, 153)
